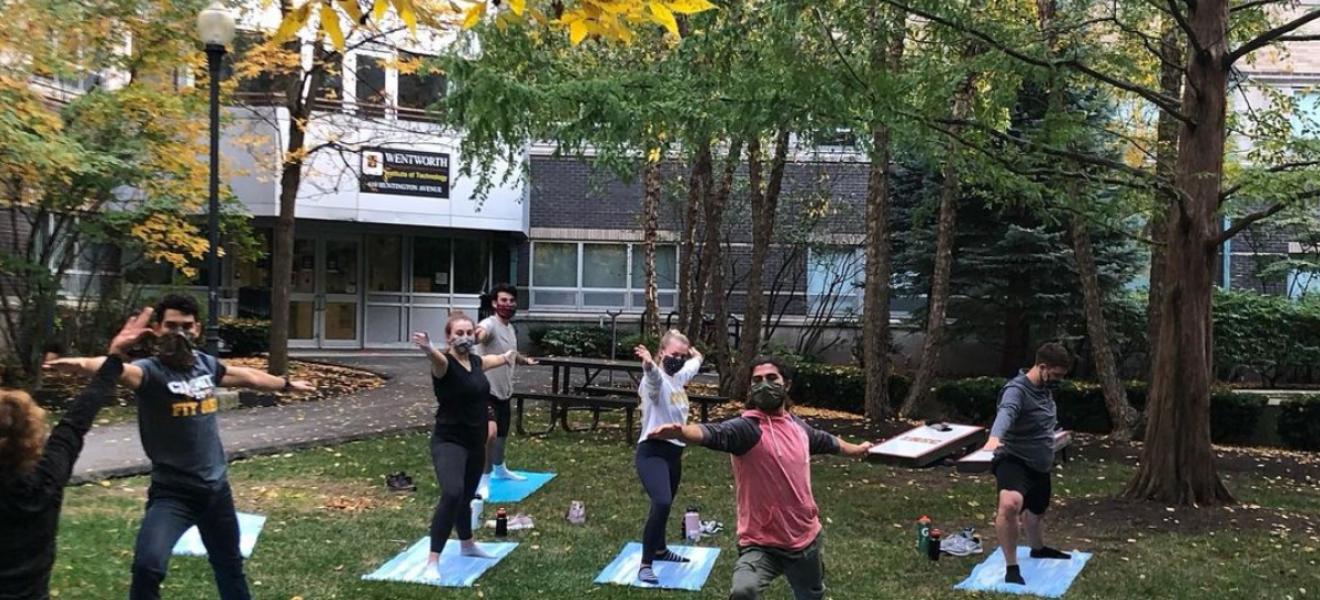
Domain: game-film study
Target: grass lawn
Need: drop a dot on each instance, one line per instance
(331, 521)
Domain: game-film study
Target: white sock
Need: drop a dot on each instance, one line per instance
(503, 472)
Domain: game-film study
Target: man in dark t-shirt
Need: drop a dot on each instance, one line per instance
(175, 392)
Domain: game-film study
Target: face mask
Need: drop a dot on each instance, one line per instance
(464, 343)
(1053, 385)
(175, 351)
(767, 396)
(506, 312)
(673, 364)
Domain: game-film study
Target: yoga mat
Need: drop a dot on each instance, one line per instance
(504, 491)
(675, 576)
(459, 571)
(249, 527)
(1045, 577)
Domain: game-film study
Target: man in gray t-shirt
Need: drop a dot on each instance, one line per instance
(175, 392)
(495, 335)
(1022, 439)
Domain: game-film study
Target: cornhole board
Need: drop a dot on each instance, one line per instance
(979, 461)
(926, 445)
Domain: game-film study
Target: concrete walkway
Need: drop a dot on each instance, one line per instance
(404, 403)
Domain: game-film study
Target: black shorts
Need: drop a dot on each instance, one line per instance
(500, 414)
(1011, 473)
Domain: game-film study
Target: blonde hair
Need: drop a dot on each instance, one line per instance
(22, 432)
(673, 335)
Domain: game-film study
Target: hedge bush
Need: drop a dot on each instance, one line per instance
(588, 341)
(245, 337)
(840, 387)
(1299, 423)
(1233, 417)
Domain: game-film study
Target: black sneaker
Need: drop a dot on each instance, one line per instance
(400, 482)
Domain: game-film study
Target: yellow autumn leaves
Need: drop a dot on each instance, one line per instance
(612, 20)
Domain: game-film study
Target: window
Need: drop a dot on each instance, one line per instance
(384, 263)
(419, 89)
(254, 90)
(471, 266)
(1303, 283)
(430, 265)
(371, 97)
(1306, 114)
(835, 281)
(331, 93)
(592, 276)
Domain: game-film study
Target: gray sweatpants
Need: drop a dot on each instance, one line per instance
(757, 566)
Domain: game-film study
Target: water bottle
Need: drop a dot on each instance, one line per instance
(692, 524)
(501, 523)
(477, 506)
(923, 534)
(933, 546)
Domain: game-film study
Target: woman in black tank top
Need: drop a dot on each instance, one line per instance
(458, 442)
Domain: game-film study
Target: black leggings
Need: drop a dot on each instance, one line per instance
(459, 461)
(660, 467)
(500, 414)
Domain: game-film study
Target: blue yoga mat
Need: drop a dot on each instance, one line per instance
(1045, 577)
(504, 491)
(249, 527)
(675, 576)
(458, 570)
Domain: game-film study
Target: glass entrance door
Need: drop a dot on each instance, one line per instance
(323, 307)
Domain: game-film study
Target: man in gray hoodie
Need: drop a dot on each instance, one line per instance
(1022, 439)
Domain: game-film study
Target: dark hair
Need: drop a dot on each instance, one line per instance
(184, 304)
(456, 317)
(503, 288)
(785, 370)
(1054, 354)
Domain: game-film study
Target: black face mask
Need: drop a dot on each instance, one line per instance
(175, 351)
(673, 364)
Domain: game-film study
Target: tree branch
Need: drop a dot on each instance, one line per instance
(1167, 104)
(1252, 4)
(1269, 37)
(1299, 38)
(1248, 220)
(1226, 194)
(1184, 25)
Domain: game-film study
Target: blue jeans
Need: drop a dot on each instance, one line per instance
(170, 512)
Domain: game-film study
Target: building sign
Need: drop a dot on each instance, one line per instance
(404, 172)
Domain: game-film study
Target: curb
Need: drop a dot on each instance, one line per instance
(144, 467)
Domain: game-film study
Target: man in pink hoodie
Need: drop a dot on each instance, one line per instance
(779, 531)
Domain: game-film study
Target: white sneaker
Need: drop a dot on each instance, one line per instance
(503, 472)
(483, 488)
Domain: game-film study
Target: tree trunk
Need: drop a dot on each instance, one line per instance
(1166, 154)
(688, 321)
(650, 223)
(1121, 414)
(764, 201)
(933, 343)
(1177, 462)
(299, 105)
(879, 258)
(713, 277)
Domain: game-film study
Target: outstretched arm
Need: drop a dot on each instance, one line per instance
(66, 439)
(688, 434)
(496, 361)
(130, 374)
(439, 364)
(255, 379)
(1010, 404)
(736, 436)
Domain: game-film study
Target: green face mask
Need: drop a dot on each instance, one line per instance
(767, 396)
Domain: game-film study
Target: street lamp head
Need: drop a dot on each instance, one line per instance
(215, 25)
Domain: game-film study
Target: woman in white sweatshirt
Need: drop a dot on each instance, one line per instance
(659, 462)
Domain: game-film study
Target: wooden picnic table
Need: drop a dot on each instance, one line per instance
(562, 371)
(590, 394)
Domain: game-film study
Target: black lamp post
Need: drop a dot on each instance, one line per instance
(215, 26)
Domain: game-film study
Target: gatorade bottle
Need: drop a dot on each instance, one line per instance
(923, 534)
(501, 523)
(692, 524)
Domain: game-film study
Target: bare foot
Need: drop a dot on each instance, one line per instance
(471, 549)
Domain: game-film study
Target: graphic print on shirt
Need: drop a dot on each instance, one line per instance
(201, 391)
